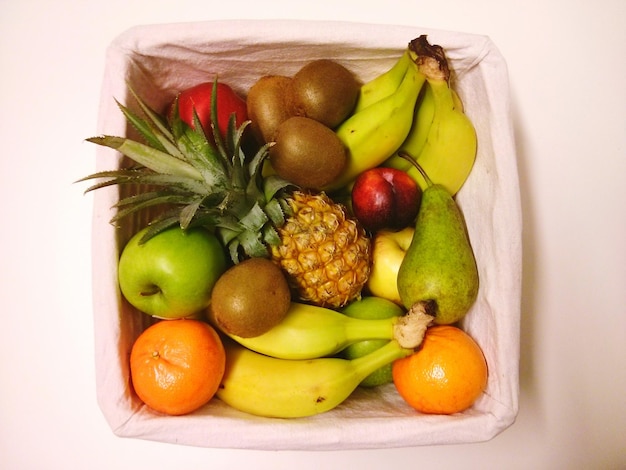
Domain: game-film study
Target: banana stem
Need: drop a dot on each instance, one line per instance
(430, 59)
(358, 329)
(410, 329)
(365, 365)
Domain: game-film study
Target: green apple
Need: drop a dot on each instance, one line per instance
(172, 274)
(371, 308)
(389, 248)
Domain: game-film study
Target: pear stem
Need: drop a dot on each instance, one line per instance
(409, 158)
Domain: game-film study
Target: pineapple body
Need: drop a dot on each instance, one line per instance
(325, 254)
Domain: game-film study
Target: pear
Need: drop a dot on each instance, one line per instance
(439, 268)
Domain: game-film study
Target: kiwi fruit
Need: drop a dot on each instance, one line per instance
(269, 103)
(307, 153)
(326, 91)
(250, 298)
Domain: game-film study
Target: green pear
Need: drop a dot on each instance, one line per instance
(439, 268)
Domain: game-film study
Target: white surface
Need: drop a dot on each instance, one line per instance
(567, 77)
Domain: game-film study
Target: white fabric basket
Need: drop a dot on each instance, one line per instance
(160, 60)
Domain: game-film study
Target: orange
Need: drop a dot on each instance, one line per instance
(177, 365)
(445, 375)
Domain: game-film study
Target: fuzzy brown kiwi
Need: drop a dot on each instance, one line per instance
(250, 298)
(307, 153)
(269, 103)
(326, 91)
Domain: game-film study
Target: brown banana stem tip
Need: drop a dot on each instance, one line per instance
(431, 59)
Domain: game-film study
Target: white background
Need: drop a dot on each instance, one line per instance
(568, 74)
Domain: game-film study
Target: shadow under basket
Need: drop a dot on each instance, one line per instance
(160, 60)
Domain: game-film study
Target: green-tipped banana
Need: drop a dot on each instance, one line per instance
(283, 388)
(375, 133)
(449, 150)
(309, 332)
(383, 85)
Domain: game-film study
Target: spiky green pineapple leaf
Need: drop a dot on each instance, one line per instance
(255, 219)
(188, 213)
(228, 230)
(158, 124)
(127, 207)
(143, 176)
(273, 184)
(142, 126)
(234, 143)
(255, 166)
(146, 197)
(217, 135)
(205, 218)
(270, 235)
(159, 225)
(171, 218)
(203, 157)
(153, 129)
(275, 212)
(113, 176)
(156, 160)
(109, 182)
(252, 245)
(239, 177)
(233, 251)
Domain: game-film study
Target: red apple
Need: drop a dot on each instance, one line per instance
(385, 198)
(199, 98)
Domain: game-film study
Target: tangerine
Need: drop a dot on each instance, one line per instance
(177, 365)
(445, 375)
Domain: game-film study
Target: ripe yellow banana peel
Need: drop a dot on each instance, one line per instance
(282, 388)
(311, 332)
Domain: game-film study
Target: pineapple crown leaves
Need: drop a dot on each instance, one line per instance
(203, 182)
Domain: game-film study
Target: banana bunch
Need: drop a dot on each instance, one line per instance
(442, 138)
(382, 119)
(289, 372)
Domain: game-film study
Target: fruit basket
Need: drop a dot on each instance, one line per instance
(160, 60)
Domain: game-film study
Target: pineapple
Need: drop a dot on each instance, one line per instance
(206, 182)
(324, 252)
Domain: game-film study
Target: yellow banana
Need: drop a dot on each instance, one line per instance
(458, 102)
(449, 151)
(422, 120)
(283, 388)
(309, 332)
(424, 112)
(383, 85)
(375, 133)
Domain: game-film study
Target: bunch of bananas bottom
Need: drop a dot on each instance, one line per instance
(279, 387)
